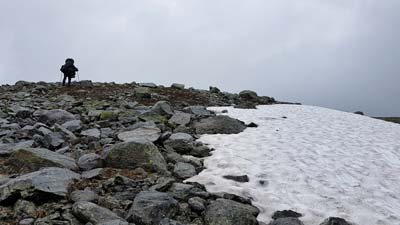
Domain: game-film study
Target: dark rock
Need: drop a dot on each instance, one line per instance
(90, 212)
(178, 86)
(359, 113)
(252, 125)
(335, 221)
(197, 204)
(180, 142)
(214, 90)
(149, 85)
(53, 140)
(163, 184)
(286, 221)
(227, 212)
(218, 125)
(134, 154)
(241, 179)
(149, 208)
(248, 95)
(246, 105)
(285, 213)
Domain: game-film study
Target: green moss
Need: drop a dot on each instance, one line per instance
(109, 115)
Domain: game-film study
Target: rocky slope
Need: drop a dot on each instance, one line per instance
(105, 153)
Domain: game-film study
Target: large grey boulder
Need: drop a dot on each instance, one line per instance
(51, 180)
(219, 125)
(248, 95)
(149, 133)
(56, 116)
(184, 170)
(134, 154)
(32, 159)
(90, 212)
(150, 207)
(73, 125)
(180, 142)
(228, 212)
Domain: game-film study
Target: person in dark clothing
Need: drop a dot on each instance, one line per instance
(69, 70)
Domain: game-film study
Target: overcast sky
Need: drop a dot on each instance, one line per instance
(342, 54)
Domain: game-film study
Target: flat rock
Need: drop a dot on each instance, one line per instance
(198, 111)
(32, 159)
(149, 85)
(51, 180)
(180, 119)
(73, 125)
(150, 207)
(7, 149)
(134, 154)
(219, 125)
(149, 133)
(90, 212)
(228, 212)
(93, 133)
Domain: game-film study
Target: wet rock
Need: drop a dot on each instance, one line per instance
(149, 133)
(73, 125)
(163, 108)
(90, 161)
(335, 221)
(199, 111)
(184, 170)
(135, 154)
(197, 204)
(178, 86)
(86, 195)
(218, 125)
(56, 116)
(286, 221)
(241, 179)
(180, 119)
(150, 208)
(90, 212)
(180, 142)
(227, 212)
(47, 183)
(285, 213)
(32, 159)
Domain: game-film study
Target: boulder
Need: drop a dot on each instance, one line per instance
(149, 85)
(287, 221)
(228, 212)
(56, 116)
(181, 191)
(142, 92)
(197, 204)
(248, 95)
(178, 86)
(285, 213)
(150, 207)
(335, 221)
(7, 149)
(219, 125)
(32, 159)
(90, 161)
(184, 170)
(180, 142)
(47, 182)
(180, 119)
(53, 140)
(134, 154)
(89, 212)
(92, 134)
(149, 133)
(198, 110)
(162, 108)
(73, 125)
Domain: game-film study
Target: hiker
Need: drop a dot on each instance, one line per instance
(69, 71)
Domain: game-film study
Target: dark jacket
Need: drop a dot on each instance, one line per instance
(69, 70)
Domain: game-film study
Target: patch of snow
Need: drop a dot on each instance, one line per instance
(317, 161)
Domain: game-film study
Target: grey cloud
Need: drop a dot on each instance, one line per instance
(339, 54)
